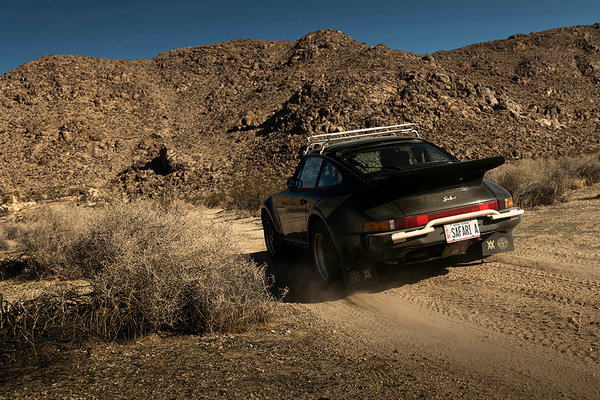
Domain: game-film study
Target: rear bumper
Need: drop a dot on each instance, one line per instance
(361, 253)
(391, 245)
(399, 237)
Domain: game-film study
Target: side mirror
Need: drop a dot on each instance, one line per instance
(291, 183)
(294, 184)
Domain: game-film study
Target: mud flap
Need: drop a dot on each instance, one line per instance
(499, 242)
(358, 274)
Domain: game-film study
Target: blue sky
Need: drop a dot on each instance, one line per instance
(141, 29)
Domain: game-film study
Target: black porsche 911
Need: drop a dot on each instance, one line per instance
(375, 195)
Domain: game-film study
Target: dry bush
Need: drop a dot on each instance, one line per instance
(175, 272)
(3, 244)
(59, 314)
(5, 196)
(544, 181)
(245, 194)
(248, 194)
(12, 231)
(590, 171)
(215, 200)
(10, 261)
(49, 238)
(150, 268)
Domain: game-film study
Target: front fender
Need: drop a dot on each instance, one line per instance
(268, 208)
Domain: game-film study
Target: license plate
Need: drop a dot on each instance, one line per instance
(461, 231)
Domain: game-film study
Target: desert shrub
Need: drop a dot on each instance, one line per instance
(173, 271)
(544, 181)
(149, 268)
(49, 238)
(3, 244)
(540, 194)
(215, 199)
(5, 196)
(590, 171)
(11, 266)
(245, 193)
(12, 230)
(249, 192)
(58, 314)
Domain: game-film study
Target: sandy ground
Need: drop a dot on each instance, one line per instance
(521, 325)
(525, 323)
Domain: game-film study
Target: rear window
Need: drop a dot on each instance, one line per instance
(395, 157)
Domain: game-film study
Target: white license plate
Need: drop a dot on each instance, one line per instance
(461, 231)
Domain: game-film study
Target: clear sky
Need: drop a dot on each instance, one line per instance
(143, 28)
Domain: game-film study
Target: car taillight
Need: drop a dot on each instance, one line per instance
(416, 220)
(505, 203)
(422, 219)
(383, 226)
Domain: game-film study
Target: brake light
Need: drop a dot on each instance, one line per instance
(416, 220)
(422, 219)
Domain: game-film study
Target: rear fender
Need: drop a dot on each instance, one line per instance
(498, 190)
(344, 226)
(315, 217)
(356, 271)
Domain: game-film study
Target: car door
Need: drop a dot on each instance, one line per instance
(294, 202)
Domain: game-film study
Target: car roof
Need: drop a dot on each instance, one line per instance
(350, 145)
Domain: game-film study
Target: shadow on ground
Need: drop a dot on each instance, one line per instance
(298, 280)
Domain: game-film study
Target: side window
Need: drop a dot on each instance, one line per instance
(426, 154)
(436, 156)
(330, 176)
(310, 172)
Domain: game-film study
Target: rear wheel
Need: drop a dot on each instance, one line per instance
(272, 238)
(325, 255)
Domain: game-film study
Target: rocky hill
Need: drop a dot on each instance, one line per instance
(191, 119)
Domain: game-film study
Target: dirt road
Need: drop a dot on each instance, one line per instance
(524, 324)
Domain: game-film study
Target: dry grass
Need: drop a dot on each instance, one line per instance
(149, 268)
(544, 181)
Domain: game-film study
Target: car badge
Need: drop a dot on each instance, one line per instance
(448, 198)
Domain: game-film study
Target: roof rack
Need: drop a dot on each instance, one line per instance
(321, 141)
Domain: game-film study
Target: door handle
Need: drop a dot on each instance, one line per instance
(302, 202)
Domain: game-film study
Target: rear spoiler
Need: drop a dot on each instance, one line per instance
(438, 174)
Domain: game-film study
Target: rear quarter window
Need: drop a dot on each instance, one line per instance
(330, 176)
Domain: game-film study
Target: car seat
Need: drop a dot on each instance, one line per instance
(394, 158)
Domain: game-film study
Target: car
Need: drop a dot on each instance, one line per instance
(360, 199)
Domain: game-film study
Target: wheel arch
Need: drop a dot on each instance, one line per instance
(268, 210)
(315, 218)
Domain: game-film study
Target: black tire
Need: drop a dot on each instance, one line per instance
(325, 256)
(275, 247)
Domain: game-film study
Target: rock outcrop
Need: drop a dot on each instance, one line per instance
(191, 119)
